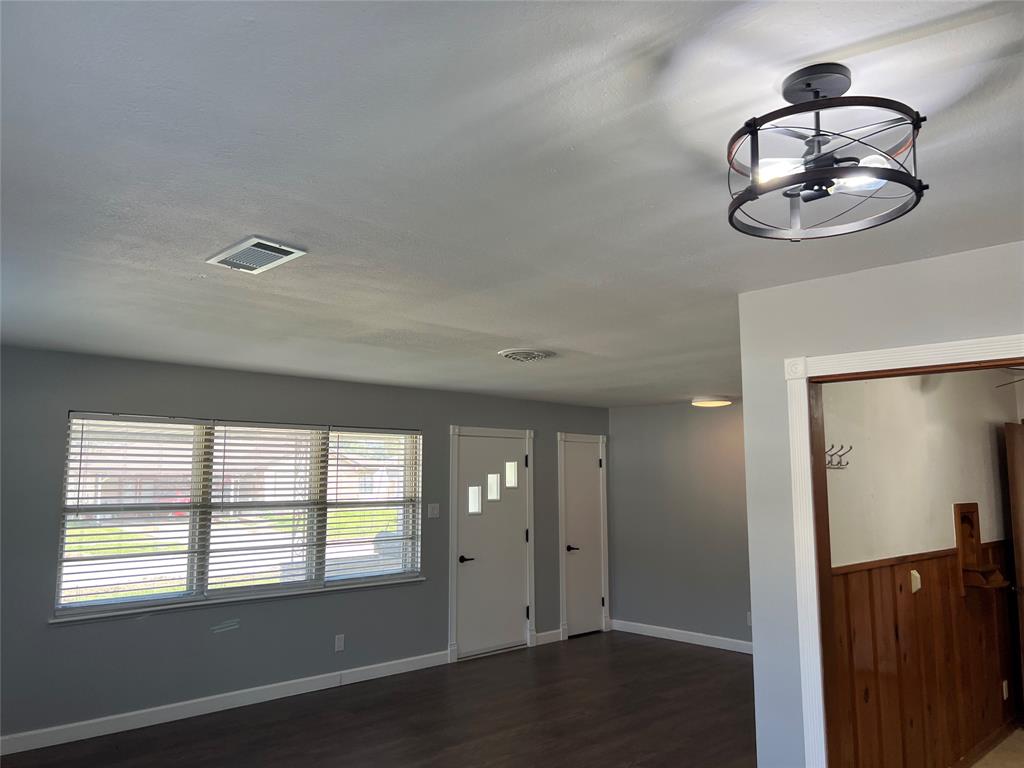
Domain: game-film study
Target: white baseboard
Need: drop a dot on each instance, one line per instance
(684, 636)
(554, 636)
(396, 667)
(126, 721)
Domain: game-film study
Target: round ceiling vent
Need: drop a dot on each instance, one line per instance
(526, 355)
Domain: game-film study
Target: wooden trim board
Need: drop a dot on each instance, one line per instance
(839, 570)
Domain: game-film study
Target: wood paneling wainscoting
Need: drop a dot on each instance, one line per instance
(916, 679)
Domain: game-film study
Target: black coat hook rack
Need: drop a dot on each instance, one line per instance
(835, 458)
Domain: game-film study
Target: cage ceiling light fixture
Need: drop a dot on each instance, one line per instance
(826, 165)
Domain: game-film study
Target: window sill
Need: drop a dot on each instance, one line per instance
(97, 614)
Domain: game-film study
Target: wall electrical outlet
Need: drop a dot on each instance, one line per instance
(750, 623)
(339, 643)
(433, 510)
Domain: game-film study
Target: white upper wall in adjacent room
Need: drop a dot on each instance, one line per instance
(921, 444)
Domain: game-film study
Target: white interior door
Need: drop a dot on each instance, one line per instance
(584, 542)
(491, 557)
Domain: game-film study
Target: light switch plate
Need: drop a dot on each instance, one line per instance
(339, 643)
(433, 510)
(915, 582)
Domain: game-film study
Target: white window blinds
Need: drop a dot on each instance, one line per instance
(373, 504)
(268, 489)
(131, 493)
(164, 511)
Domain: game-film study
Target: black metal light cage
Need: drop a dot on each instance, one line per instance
(866, 170)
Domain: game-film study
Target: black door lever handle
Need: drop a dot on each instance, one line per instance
(571, 548)
(464, 559)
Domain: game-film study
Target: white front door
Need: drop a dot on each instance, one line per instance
(491, 560)
(584, 539)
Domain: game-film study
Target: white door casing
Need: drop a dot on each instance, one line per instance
(582, 523)
(489, 594)
(797, 371)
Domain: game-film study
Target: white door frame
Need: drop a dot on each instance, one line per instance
(530, 626)
(602, 441)
(798, 370)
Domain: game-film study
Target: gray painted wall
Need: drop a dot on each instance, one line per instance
(64, 673)
(961, 296)
(677, 518)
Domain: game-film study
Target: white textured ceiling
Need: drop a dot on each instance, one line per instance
(465, 176)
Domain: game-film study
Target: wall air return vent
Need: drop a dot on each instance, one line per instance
(256, 255)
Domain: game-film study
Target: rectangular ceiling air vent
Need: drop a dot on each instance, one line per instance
(255, 255)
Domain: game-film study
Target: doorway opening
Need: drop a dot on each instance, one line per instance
(917, 478)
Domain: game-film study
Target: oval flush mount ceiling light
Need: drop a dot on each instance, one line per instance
(710, 401)
(827, 165)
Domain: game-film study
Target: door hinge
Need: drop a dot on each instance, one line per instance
(600, 463)
(526, 461)
(602, 602)
(527, 611)
(527, 535)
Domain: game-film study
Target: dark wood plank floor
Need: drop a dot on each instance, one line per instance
(601, 701)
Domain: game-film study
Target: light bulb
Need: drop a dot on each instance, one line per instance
(769, 168)
(864, 183)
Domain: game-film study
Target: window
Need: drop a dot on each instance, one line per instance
(373, 505)
(474, 500)
(165, 510)
(511, 474)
